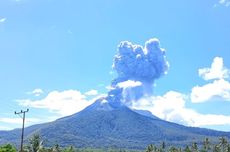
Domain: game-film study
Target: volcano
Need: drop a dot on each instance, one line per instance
(112, 125)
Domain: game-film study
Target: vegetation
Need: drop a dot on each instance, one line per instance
(206, 146)
(7, 148)
(35, 144)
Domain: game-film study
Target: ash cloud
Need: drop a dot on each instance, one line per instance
(137, 68)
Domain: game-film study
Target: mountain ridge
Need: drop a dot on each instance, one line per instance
(104, 125)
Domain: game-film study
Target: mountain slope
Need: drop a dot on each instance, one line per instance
(145, 113)
(105, 124)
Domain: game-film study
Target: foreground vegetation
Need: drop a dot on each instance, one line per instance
(206, 146)
(35, 144)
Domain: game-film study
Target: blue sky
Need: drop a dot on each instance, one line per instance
(56, 57)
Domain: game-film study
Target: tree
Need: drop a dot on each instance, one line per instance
(216, 148)
(173, 149)
(228, 149)
(7, 148)
(223, 144)
(149, 148)
(69, 149)
(56, 148)
(206, 145)
(152, 148)
(194, 147)
(35, 144)
(187, 149)
(162, 147)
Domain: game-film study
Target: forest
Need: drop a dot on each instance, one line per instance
(36, 144)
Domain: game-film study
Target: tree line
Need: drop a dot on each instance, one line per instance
(36, 144)
(206, 146)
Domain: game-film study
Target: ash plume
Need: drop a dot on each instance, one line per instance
(137, 68)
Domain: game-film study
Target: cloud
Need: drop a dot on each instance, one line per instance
(64, 103)
(37, 92)
(131, 90)
(224, 2)
(2, 20)
(171, 107)
(9, 123)
(217, 70)
(92, 93)
(5, 128)
(128, 84)
(217, 90)
(19, 120)
(161, 105)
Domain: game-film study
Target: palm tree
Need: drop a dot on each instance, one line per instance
(69, 149)
(56, 148)
(149, 148)
(162, 147)
(216, 148)
(152, 148)
(206, 145)
(187, 149)
(36, 144)
(194, 147)
(228, 149)
(223, 143)
(173, 149)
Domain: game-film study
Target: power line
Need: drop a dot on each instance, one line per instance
(23, 124)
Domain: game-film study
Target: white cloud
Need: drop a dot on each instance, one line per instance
(9, 123)
(217, 70)
(92, 93)
(64, 103)
(171, 107)
(2, 20)
(224, 2)
(217, 90)
(37, 92)
(18, 120)
(129, 83)
(5, 128)
(161, 105)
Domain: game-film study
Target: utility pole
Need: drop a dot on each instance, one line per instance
(23, 122)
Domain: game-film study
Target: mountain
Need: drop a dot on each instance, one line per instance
(145, 113)
(109, 124)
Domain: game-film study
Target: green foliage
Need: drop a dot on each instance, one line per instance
(194, 147)
(187, 149)
(7, 148)
(69, 149)
(173, 149)
(35, 144)
(207, 146)
(150, 148)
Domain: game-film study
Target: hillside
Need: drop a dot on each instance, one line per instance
(104, 124)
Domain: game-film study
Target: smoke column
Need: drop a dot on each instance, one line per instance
(137, 67)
